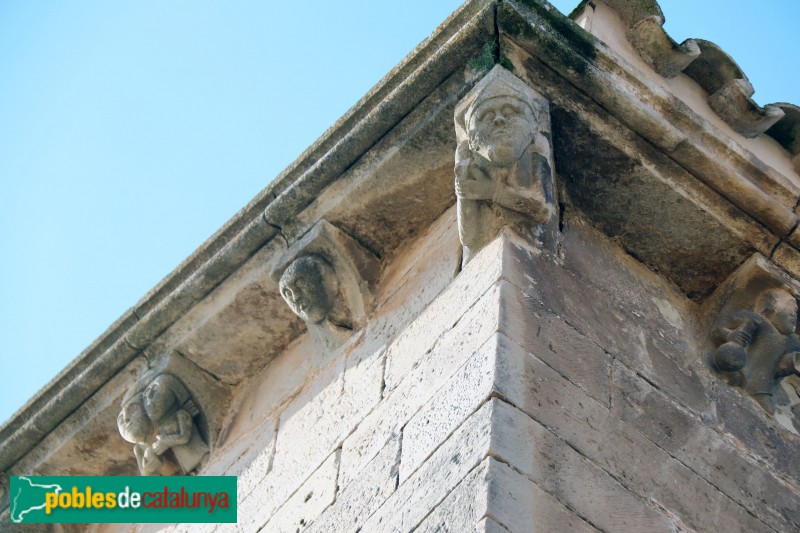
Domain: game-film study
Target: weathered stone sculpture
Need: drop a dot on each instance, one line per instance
(503, 161)
(756, 349)
(137, 428)
(309, 286)
(644, 23)
(161, 420)
(325, 278)
(730, 93)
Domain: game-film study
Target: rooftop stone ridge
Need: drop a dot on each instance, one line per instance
(657, 145)
(729, 91)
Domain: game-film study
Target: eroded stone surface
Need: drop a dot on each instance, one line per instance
(756, 349)
(414, 499)
(326, 279)
(160, 419)
(357, 501)
(619, 449)
(313, 496)
(514, 503)
(690, 439)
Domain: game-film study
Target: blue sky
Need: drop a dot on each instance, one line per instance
(131, 131)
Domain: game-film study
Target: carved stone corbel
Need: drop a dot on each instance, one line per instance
(504, 162)
(753, 344)
(163, 417)
(327, 278)
(172, 421)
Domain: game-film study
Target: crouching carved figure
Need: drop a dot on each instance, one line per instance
(503, 171)
(758, 348)
(161, 419)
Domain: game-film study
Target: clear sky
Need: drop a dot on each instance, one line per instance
(131, 131)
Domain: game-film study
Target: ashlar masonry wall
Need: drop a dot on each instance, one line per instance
(527, 392)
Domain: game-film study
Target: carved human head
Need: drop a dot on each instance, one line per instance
(309, 287)
(133, 423)
(499, 118)
(162, 396)
(778, 306)
(500, 128)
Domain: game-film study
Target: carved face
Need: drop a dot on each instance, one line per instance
(785, 319)
(159, 399)
(133, 423)
(309, 287)
(500, 129)
(780, 308)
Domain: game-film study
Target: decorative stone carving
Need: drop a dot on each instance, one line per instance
(730, 92)
(309, 287)
(787, 131)
(326, 278)
(757, 348)
(659, 50)
(503, 171)
(644, 23)
(161, 419)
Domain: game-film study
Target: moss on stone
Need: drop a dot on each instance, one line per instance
(489, 57)
(485, 61)
(574, 47)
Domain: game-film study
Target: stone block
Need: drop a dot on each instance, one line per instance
(365, 495)
(267, 392)
(549, 462)
(742, 419)
(463, 393)
(512, 501)
(435, 256)
(487, 525)
(463, 507)
(622, 451)
(311, 426)
(443, 313)
(632, 328)
(313, 496)
(520, 506)
(417, 496)
(256, 461)
(709, 454)
(555, 342)
(420, 383)
(413, 279)
(524, 444)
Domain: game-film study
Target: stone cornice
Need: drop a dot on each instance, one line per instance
(729, 91)
(598, 71)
